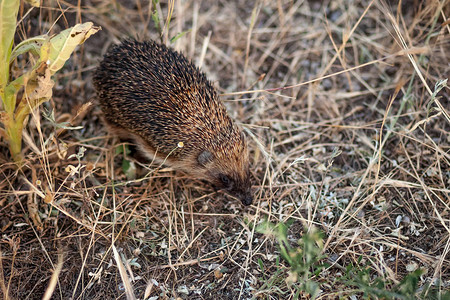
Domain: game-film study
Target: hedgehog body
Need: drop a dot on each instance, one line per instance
(153, 95)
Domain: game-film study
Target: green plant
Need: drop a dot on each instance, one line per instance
(48, 55)
(305, 260)
(306, 266)
(163, 27)
(377, 287)
(128, 166)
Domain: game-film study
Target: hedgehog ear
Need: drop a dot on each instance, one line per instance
(205, 157)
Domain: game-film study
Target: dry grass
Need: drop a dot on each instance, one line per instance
(345, 133)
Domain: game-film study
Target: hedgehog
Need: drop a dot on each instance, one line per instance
(155, 97)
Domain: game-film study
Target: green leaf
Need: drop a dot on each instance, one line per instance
(8, 17)
(312, 288)
(408, 285)
(178, 35)
(54, 52)
(155, 18)
(261, 265)
(122, 148)
(32, 45)
(58, 50)
(119, 149)
(129, 168)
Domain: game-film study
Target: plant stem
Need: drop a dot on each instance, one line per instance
(14, 133)
(13, 129)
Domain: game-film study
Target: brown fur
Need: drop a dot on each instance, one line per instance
(156, 97)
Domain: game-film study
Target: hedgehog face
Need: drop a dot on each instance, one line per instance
(236, 186)
(229, 173)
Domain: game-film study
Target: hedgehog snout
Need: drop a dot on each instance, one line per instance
(242, 191)
(245, 196)
(233, 185)
(247, 199)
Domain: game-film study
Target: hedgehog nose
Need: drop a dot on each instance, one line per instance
(247, 199)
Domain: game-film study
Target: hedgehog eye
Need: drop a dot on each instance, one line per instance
(225, 180)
